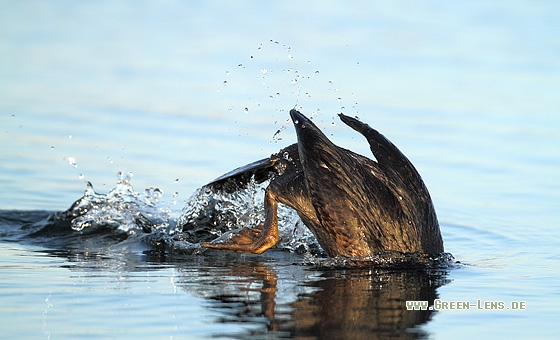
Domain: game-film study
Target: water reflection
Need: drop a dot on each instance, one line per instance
(274, 297)
(301, 302)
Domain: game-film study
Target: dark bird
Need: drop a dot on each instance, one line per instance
(355, 206)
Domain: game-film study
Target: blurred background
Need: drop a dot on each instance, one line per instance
(180, 92)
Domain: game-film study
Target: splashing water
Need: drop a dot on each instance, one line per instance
(119, 209)
(207, 216)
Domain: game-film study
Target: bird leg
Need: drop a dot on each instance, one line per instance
(255, 240)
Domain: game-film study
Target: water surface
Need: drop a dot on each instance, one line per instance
(178, 94)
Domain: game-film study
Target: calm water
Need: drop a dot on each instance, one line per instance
(179, 93)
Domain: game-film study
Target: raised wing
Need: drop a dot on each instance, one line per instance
(262, 170)
(238, 178)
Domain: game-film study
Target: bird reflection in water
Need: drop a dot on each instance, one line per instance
(322, 303)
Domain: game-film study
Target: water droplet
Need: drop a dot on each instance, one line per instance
(316, 72)
(176, 180)
(227, 73)
(80, 176)
(72, 161)
(260, 47)
(52, 147)
(246, 109)
(271, 97)
(225, 82)
(333, 124)
(69, 136)
(240, 66)
(307, 94)
(308, 62)
(339, 99)
(264, 70)
(110, 160)
(290, 57)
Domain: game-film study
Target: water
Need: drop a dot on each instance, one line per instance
(176, 94)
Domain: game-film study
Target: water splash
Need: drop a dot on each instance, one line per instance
(388, 259)
(119, 209)
(208, 215)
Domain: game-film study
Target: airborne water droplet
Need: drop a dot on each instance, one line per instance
(72, 161)
(246, 109)
(275, 136)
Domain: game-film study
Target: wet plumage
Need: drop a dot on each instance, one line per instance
(355, 206)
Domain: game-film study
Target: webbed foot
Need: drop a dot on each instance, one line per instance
(248, 240)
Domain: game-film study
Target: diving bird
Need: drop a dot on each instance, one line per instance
(355, 206)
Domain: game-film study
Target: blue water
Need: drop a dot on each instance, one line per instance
(179, 93)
